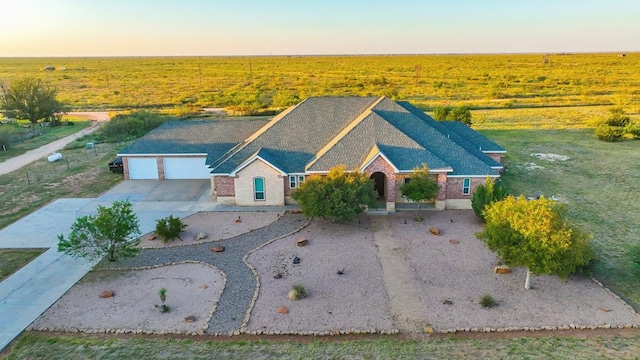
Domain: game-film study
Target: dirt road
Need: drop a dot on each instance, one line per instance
(30, 156)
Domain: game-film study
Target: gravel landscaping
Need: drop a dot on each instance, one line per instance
(216, 225)
(355, 300)
(192, 290)
(462, 273)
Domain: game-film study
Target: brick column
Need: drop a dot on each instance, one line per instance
(441, 198)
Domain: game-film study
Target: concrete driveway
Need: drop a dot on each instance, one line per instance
(31, 290)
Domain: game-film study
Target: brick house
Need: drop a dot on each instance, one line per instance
(257, 162)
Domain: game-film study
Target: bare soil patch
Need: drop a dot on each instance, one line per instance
(355, 300)
(193, 289)
(217, 225)
(461, 273)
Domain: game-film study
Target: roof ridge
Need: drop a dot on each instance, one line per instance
(255, 135)
(368, 111)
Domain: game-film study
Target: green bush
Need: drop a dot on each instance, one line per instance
(170, 228)
(633, 129)
(446, 113)
(5, 140)
(487, 301)
(617, 117)
(300, 291)
(609, 133)
(485, 195)
(134, 125)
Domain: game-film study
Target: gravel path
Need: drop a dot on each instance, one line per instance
(241, 283)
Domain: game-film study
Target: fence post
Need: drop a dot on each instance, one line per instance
(28, 181)
(67, 159)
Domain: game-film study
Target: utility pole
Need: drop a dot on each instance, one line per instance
(418, 68)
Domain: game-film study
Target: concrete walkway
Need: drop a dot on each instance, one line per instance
(34, 288)
(30, 156)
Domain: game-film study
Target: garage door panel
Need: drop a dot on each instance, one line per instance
(186, 168)
(143, 168)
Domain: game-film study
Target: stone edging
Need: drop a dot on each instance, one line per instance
(245, 321)
(208, 241)
(140, 331)
(615, 296)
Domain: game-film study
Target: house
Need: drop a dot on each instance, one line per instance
(260, 162)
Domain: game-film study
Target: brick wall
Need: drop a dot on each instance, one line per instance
(497, 157)
(223, 186)
(381, 165)
(454, 187)
(160, 164)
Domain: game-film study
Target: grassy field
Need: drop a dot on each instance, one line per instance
(48, 134)
(483, 81)
(35, 346)
(12, 260)
(599, 183)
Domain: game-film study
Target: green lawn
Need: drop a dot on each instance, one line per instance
(48, 134)
(12, 260)
(36, 346)
(600, 183)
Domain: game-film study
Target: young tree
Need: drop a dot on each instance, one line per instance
(486, 194)
(421, 187)
(537, 235)
(107, 233)
(339, 195)
(31, 99)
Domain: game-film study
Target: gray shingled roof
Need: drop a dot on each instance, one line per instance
(211, 137)
(293, 139)
(336, 130)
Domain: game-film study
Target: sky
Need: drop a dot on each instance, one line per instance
(34, 28)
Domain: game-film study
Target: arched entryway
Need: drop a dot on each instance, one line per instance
(379, 183)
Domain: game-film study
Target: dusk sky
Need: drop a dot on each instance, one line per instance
(278, 27)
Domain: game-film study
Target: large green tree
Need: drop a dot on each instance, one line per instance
(486, 194)
(420, 187)
(535, 234)
(109, 233)
(339, 195)
(31, 99)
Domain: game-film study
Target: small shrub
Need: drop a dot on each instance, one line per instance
(170, 228)
(164, 308)
(617, 118)
(487, 301)
(418, 218)
(298, 292)
(633, 129)
(609, 133)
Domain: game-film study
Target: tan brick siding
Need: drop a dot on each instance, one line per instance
(273, 181)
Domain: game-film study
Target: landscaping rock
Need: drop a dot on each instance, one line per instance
(434, 230)
(190, 319)
(283, 310)
(453, 241)
(502, 269)
(200, 236)
(447, 302)
(153, 237)
(429, 330)
(217, 249)
(107, 294)
(302, 242)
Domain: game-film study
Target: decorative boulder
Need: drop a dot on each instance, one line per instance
(502, 269)
(302, 242)
(190, 319)
(434, 231)
(283, 310)
(453, 241)
(217, 249)
(200, 236)
(107, 294)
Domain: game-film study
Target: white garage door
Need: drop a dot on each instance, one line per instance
(143, 168)
(186, 168)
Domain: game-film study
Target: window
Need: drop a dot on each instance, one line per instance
(258, 188)
(407, 180)
(466, 186)
(295, 181)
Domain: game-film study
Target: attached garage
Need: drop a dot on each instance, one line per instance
(143, 168)
(186, 168)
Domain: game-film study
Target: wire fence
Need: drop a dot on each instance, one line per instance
(73, 161)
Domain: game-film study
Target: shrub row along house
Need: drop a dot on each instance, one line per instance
(259, 162)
